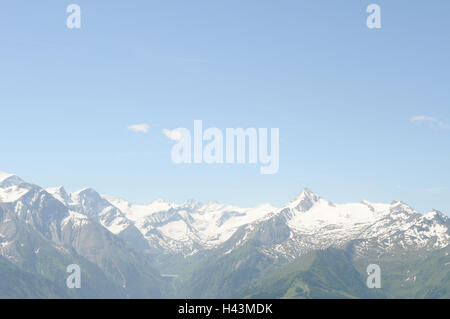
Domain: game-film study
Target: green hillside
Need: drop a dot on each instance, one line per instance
(320, 274)
(15, 283)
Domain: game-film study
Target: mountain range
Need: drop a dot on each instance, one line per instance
(309, 248)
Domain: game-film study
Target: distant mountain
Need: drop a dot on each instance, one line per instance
(190, 227)
(42, 236)
(309, 248)
(310, 224)
(89, 203)
(306, 223)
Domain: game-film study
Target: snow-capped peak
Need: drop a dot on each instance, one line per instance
(86, 190)
(436, 215)
(399, 209)
(60, 194)
(304, 201)
(397, 204)
(192, 204)
(8, 180)
(86, 195)
(12, 187)
(4, 175)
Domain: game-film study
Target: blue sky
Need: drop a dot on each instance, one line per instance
(342, 95)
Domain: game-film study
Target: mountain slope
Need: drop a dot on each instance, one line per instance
(40, 235)
(16, 283)
(408, 274)
(216, 275)
(320, 274)
(89, 203)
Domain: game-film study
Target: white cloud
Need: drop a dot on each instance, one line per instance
(173, 135)
(139, 128)
(436, 190)
(431, 120)
(422, 118)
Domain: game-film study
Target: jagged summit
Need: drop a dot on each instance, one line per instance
(7, 179)
(86, 190)
(59, 193)
(436, 214)
(12, 187)
(192, 204)
(304, 201)
(4, 175)
(59, 189)
(86, 194)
